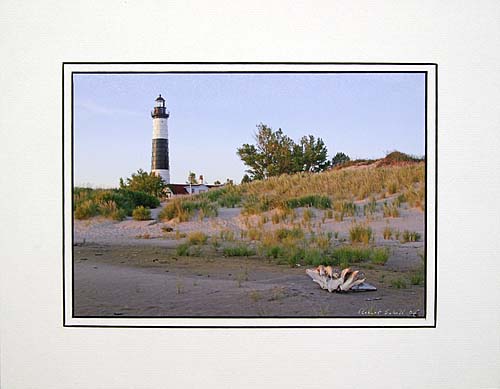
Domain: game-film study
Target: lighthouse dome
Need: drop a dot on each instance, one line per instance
(159, 98)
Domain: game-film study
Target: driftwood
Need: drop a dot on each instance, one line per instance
(335, 280)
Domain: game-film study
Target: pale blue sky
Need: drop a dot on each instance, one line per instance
(211, 115)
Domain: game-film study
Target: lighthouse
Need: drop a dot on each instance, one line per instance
(159, 155)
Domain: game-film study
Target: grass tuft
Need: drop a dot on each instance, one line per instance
(360, 233)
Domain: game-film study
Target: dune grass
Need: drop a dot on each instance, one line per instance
(111, 203)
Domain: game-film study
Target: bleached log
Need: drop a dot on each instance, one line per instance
(339, 281)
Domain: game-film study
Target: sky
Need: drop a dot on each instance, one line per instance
(211, 115)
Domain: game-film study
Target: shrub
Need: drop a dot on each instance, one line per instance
(360, 234)
(390, 210)
(379, 256)
(291, 234)
(177, 209)
(313, 257)
(183, 250)
(346, 208)
(410, 236)
(141, 213)
(197, 238)
(316, 201)
(308, 215)
(86, 209)
(140, 198)
(399, 283)
(274, 251)
(239, 251)
(387, 233)
(417, 278)
(144, 182)
(254, 234)
(370, 208)
(347, 255)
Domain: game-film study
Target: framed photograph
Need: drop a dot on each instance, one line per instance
(249, 194)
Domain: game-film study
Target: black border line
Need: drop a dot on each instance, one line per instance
(246, 72)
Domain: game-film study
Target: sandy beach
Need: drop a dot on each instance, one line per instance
(131, 268)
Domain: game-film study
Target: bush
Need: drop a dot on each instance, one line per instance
(140, 198)
(86, 209)
(274, 251)
(410, 236)
(144, 182)
(197, 238)
(387, 233)
(316, 201)
(183, 209)
(238, 251)
(290, 234)
(183, 250)
(141, 213)
(390, 210)
(399, 283)
(379, 256)
(360, 234)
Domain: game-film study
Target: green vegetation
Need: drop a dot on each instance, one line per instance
(145, 182)
(387, 233)
(239, 251)
(197, 238)
(110, 203)
(183, 208)
(360, 233)
(316, 201)
(141, 213)
(409, 236)
(390, 210)
(340, 159)
(275, 154)
(399, 283)
(186, 250)
(332, 190)
(397, 156)
(418, 277)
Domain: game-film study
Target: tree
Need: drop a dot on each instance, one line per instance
(339, 159)
(216, 182)
(270, 156)
(310, 155)
(192, 178)
(145, 182)
(246, 179)
(274, 153)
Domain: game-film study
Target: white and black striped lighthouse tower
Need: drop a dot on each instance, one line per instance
(159, 156)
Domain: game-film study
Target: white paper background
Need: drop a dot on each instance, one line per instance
(462, 37)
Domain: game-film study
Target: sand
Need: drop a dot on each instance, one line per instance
(151, 281)
(130, 268)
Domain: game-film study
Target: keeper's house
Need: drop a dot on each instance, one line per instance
(186, 189)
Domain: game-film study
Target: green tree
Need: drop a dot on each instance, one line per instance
(340, 158)
(145, 182)
(310, 155)
(274, 153)
(192, 178)
(246, 179)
